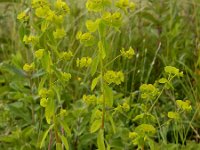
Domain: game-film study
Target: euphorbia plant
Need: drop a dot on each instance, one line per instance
(148, 117)
(103, 78)
(46, 20)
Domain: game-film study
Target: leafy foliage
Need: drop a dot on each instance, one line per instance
(99, 74)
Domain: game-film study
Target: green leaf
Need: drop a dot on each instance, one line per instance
(150, 17)
(94, 65)
(144, 116)
(14, 70)
(44, 26)
(140, 116)
(22, 31)
(102, 28)
(42, 82)
(87, 138)
(57, 91)
(100, 140)
(37, 74)
(101, 49)
(95, 125)
(49, 110)
(163, 80)
(64, 141)
(47, 62)
(108, 147)
(9, 138)
(2, 79)
(108, 96)
(45, 135)
(66, 127)
(28, 131)
(151, 143)
(112, 123)
(58, 146)
(94, 82)
(4, 90)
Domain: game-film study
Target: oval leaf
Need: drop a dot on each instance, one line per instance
(100, 140)
(94, 82)
(95, 125)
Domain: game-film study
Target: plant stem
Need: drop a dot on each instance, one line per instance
(102, 91)
(50, 140)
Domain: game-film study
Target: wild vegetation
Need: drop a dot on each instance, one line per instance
(99, 74)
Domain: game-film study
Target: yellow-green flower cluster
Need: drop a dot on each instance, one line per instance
(141, 133)
(90, 99)
(186, 106)
(114, 77)
(29, 67)
(22, 16)
(39, 3)
(173, 71)
(123, 107)
(125, 4)
(43, 102)
(31, 39)
(126, 106)
(128, 54)
(148, 91)
(97, 5)
(66, 76)
(145, 129)
(59, 33)
(66, 55)
(112, 19)
(44, 12)
(62, 6)
(63, 112)
(39, 53)
(44, 94)
(133, 135)
(83, 62)
(85, 38)
(173, 115)
(43, 9)
(51, 15)
(92, 26)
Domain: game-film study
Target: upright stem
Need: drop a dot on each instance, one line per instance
(102, 89)
(102, 39)
(50, 140)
